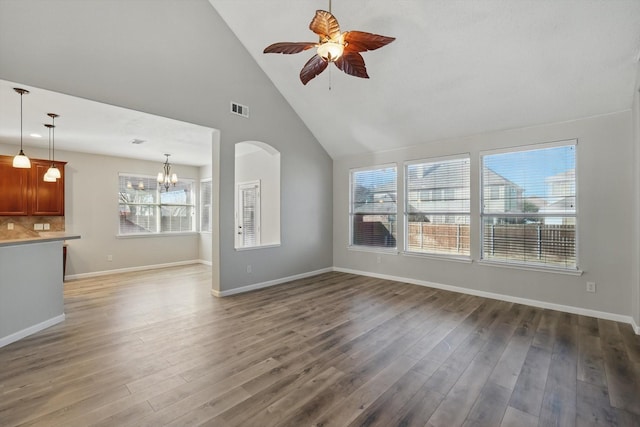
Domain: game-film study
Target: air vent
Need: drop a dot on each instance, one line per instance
(239, 109)
(137, 141)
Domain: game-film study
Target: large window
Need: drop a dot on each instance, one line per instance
(373, 207)
(529, 211)
(437, 207)
(147, 208)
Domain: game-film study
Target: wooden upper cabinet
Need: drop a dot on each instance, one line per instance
(14, 188)
(47, 198)
(24, 192)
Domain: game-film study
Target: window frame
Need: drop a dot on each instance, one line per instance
(204, 184)
(157, 206)
(432, 197)
(370, 248)
(520, 264)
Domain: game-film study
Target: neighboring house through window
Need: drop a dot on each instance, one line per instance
(373, 207)
(147, 208)
(529, 213)
(437, 206)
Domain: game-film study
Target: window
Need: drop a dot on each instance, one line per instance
(146, 208)
(248, 231)
(437, 207)
(205, 205)
(373, 207)
(529, 211)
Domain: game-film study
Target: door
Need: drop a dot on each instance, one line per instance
(248, 215)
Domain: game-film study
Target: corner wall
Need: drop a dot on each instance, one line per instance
(605, 219)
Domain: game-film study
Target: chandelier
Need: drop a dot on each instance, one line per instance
(166, 178)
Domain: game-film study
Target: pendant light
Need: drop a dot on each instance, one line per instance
(166, 178)
(47, 177)
(53, 170)
(21, 160)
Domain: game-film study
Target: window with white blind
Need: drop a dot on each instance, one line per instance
(529, 213)
(373, 206)
(437, 206)
(205, 205)
(145, 207)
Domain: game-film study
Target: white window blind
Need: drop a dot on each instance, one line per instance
(437, 207)
(146, 208)
(373, 207)
(529, 213)
(205, 205)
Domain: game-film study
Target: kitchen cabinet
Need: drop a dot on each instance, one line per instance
(24, 192)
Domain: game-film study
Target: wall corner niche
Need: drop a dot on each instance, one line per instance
(257, 195)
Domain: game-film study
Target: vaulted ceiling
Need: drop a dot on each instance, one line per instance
(456, 68)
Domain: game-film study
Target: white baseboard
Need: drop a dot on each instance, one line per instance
(31, 330)
(534, 303)
(205, 262)
(268, 283)
(130, 269)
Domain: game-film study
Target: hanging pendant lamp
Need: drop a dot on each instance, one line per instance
(166, 178)
(53, 170)
(47, 177)
(21, 160)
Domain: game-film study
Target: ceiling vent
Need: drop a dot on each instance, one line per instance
(239, 109)
(137, 141)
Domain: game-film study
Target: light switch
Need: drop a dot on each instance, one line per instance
(10, 226)
(47, 226)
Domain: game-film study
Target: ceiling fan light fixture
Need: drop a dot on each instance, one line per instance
(330, 51)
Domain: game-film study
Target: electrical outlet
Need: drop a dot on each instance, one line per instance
(38, 227)
(47, 226)
(10, 226)
(248, 268)
(591, 287)
(109, 258)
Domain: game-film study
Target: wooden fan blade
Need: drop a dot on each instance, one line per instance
(352, 63)
(325, 25)
(288, 47)
(359, 41)
(312, 68)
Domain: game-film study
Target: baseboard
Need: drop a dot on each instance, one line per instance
(205, 262)
(31, 330)
(534, 303)
(130, 269)
(269, 283)
(635, 326)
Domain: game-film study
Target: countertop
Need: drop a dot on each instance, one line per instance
(49, 236)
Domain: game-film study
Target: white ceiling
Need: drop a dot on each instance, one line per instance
(457, 68)
(93, 127)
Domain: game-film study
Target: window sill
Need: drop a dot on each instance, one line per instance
(540, 268)
(250, 248)
(135, 236)
(375, 249)
(441, 257)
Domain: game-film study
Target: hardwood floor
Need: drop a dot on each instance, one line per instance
(155, 348)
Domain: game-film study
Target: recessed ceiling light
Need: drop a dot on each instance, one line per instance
(35, 135)
(137, 141)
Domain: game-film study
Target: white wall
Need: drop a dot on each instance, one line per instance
(164, 58)
(206, 241)
(605, 193)
(91, 210)
(636, 204)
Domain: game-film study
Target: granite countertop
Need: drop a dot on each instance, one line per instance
(47, 236)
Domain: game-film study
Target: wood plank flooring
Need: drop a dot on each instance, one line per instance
(155, 348)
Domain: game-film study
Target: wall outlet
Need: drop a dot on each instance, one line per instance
(109, 258)
(248, 268)
(591, 286)
(10, 226)
(47, 226)
(38, 227)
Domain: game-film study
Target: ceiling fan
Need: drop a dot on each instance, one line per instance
(343, 49)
